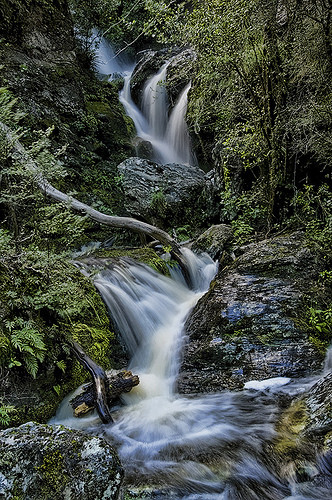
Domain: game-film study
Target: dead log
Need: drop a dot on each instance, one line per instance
(100, 384)
(21, 155)
(118, 383)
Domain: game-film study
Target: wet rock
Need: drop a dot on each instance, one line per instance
(214, 240)
(319, 409)
(40, 461)
(150, 62)
(248, 326)
(303, 445)
(162, 194)
(143, 148)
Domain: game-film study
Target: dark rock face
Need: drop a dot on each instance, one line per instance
(151, 61)
(214, 240)
(39, 462)
(41, 65)
(162, 194)
(246, 327)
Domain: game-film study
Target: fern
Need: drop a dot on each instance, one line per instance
(62, 365)
(31, 364)
(29, 342)
(5, 411)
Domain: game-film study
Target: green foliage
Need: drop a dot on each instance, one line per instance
(5, 411)
(120, 20)
(260, 103)
(183, 233)
(9, 110)
(158, 202)
(25, 338)
(319, 322)
(313, 213)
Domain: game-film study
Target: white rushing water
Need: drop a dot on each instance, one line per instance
(194, 448)
(165, 129)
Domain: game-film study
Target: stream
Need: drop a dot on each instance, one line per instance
(196, 447)
(183, 447)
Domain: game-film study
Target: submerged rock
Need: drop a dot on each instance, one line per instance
(250, 325)
(39, 462)
(162, 194)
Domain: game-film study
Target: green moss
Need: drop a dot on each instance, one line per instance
(292, 422)
(100, 107)
(53, 475)
(145, 255)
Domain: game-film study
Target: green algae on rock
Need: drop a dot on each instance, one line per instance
(40, 461)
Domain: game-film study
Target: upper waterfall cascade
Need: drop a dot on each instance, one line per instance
(165, 129)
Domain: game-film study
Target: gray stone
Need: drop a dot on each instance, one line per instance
(250, 325)
(143, 148)
(162, 194)
(214, 240)
(319, 408)
(41, 462)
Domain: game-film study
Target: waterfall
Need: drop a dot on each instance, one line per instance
(328, 361)
(151, 315)
(167, 133)
(196, 447)
(177, 135)
(187, 447)
(106, 63)
(155, 102)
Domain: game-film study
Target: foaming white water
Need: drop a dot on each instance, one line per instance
(167, 133)
(193, 448)
(106, 62)
(150, 310)
(177, 135)
(155, 102)
(328, 361)
(64, 414)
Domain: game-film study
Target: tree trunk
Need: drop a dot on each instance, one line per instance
(100, 384)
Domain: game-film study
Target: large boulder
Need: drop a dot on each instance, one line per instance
(251, 324)
(214, 240)
(319, 410)
(303, 445)
(39, 462)
(163, 194)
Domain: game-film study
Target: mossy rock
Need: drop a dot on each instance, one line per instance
(145, 255)
(57, 463)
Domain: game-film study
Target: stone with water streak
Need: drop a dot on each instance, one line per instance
(39, 462)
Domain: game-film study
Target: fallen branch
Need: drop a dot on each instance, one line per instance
(22, 156)
(100, 384)
(118, 383)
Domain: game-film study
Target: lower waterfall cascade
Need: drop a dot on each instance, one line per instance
(184, 447)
